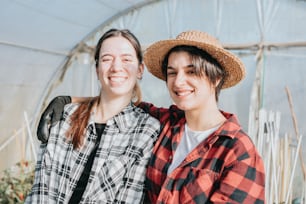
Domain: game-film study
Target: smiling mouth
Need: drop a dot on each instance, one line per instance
(117, 79)
(183, 93)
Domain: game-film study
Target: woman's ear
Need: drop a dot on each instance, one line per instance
(140, 71)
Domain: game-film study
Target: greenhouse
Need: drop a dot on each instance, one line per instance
(47, 50)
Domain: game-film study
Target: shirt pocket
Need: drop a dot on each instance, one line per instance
(198, 181)
(109, 178)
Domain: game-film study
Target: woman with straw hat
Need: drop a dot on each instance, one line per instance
(202, 155)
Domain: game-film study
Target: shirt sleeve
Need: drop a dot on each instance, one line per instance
(154, 111)
(38, 185)
(243, 181)
(41, 185)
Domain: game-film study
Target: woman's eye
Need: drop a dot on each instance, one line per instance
(127, 60)
(106, 59)
(191, 71)
(171, 73)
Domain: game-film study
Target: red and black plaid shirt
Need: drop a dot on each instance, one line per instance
(224, 168)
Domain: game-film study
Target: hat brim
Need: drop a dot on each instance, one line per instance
(154, 56)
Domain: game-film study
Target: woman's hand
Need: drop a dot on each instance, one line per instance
(51, 116)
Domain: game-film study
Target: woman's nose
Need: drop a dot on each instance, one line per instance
(180, 78)
(117, 64)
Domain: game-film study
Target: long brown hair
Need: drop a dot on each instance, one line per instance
(80, 117)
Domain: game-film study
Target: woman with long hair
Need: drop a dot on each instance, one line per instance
(99, 150)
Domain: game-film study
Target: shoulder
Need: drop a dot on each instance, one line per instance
(142, 115)
(245, 140)
(234, 138)
(239, 148)
(138, 121)
(70, 108)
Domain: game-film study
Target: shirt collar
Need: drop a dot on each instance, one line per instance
(125, 118)
(230, 127)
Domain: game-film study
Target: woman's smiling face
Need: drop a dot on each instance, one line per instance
(188, 90)
(118, 67)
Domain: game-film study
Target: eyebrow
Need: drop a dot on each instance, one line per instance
(106, 54)
(123, 55)
(188, 66)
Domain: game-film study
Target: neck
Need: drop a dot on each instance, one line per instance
(107, 109)
(200, 120)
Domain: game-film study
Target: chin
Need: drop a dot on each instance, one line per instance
(183, 107)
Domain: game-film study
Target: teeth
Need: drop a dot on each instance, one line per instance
(117, 79)
(183, 93)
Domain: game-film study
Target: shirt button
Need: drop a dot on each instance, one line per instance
(170, 158)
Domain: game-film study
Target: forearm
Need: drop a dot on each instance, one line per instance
(156, 112)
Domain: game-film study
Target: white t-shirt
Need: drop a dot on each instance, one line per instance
(189, 141)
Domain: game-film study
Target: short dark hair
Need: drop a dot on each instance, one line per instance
(203, 62)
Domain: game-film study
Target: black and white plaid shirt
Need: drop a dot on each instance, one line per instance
(118, 171)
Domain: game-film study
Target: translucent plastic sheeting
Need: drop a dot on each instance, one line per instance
(253, 29)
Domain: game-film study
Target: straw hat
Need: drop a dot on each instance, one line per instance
(154, 55)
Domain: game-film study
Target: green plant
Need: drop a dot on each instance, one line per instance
(16, 182)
